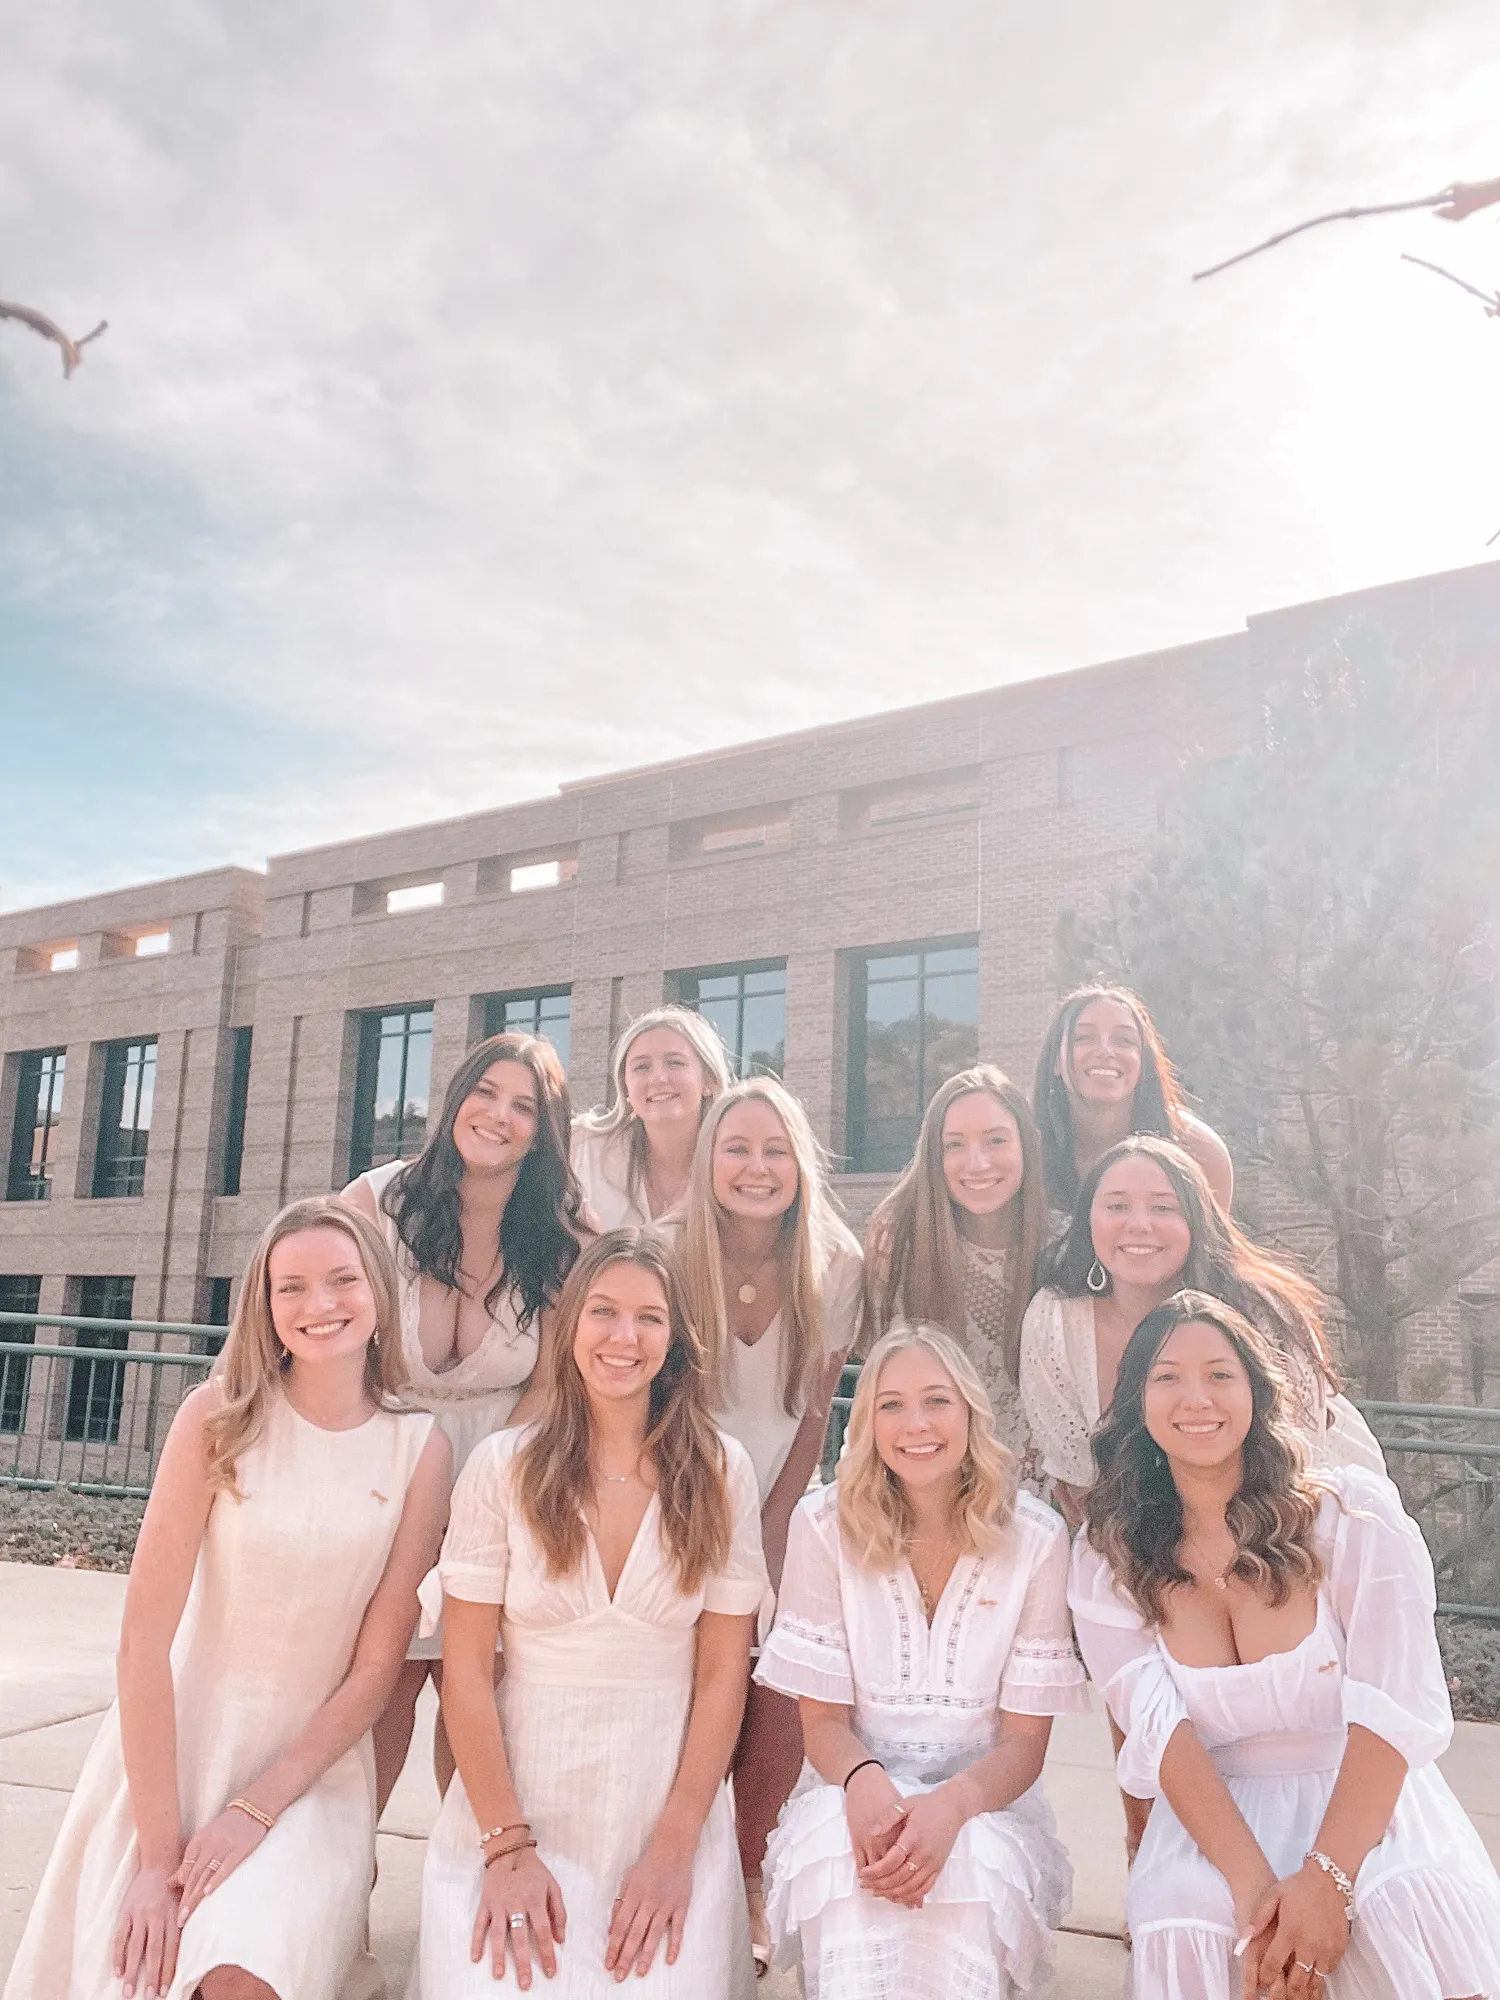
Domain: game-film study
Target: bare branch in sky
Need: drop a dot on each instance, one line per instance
(72, 350)
(1489, 300)
(1453, 203)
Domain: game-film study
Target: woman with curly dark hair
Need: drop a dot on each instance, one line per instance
(1264, 1638)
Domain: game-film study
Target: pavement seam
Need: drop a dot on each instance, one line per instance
(57, 1722)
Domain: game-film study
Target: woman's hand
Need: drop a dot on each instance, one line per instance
(212, 1855)
(875, 1812)
(145, 1949)
(918, 1855)
(652, 1904)
(519, 1885)
(1299, 1933)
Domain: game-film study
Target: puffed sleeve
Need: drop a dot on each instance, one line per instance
(808, 1650)
(742, 1585)
(475, 1561)
(842, 1295)
(1051, 1398)
(1383, 1595)
(1126, 1665)
(1042, 1675)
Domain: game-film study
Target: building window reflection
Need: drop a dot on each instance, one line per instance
(39, 1097)
(914, 1021)
(393, 1078)
(545, 1010)
(747, 1004)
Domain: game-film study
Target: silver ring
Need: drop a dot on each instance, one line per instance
(215, 1865)
(1302, 1966)
(911, 1867)
(517, 1920)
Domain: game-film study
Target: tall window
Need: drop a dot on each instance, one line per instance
(217, 1314)
(39, 1096)
(125, 1117)
(548, 1011)
(391, 1086)
(17, 1295)
(234, 1126)
(96, 1389)
(914, 1021)
(747, 1004)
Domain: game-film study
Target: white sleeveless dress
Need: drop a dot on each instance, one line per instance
(282, 1583)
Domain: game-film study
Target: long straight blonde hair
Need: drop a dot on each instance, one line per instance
(875, 1518)
(810, 1234)
(617, 1122)
(254, 1360)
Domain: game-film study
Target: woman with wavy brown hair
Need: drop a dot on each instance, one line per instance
(614, 1547)
(1264, 1639)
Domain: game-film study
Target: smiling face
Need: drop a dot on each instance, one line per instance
(920, 1422)
(624, 1331)
(1198, 1404)
(495, 1126)
(983, 1164)
(1140, 1233)
(755, 1169)
(665, 1084)
(1102, 1062)
(322, 1306)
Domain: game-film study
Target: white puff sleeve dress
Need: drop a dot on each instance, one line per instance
(926, 1701)
(1427, 1898)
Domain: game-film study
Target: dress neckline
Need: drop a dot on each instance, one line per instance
(1244, 1666)
(612, 1597)
(330, 1430)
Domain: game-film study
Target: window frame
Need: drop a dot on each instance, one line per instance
(687, 985)
(367, 1077)
(856, 1101)
(15, 1369)
(494, 1004)
(232, 1159)
(26, 1178)
(120, 1170)
(92, 1385)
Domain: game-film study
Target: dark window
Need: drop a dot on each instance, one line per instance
(17, 1295)
(747, 1004)
(914, 1020)
(96, 1389)
(125, 1117)
(391, 1086)
(39, 1096)
(234, 1128)
(218, 1314)
(547, 1012)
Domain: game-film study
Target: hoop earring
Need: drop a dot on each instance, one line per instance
(1097, 1279)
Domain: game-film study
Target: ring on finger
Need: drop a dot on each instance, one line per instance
(517, 1920)
(1315, 1970)
(214, 1866)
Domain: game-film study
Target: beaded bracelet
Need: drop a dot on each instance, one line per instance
(1335, 1875)
(496, 1831)
(265, 1819)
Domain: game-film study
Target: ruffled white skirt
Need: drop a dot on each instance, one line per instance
(1427, 1900)
(983, 1933)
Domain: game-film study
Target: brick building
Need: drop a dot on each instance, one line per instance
(866, 905)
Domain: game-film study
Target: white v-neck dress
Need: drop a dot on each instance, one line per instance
(926, 1702)
(594, 1705)
(1427, 1898)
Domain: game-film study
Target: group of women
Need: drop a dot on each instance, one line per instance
(1097, 1432)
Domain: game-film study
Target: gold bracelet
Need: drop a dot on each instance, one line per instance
(265, 1819)
(504, 1853)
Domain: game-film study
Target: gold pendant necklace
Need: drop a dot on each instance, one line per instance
(1219, 1578)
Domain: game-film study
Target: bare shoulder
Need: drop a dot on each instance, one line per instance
(1204, 1145)
(195, 1409)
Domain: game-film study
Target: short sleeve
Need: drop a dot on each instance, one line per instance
(475, 1561)
(1042, 1675)
(1126, 1665)
(742, 1585)
(1051, 1397)
(843, 1295)
(808, 1650)
(1383, 1595)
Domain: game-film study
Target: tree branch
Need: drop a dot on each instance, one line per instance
(72, 350)
(1452, 203)
(1489, 300)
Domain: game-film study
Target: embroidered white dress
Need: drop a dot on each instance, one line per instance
(927, 1702)
(594, 1707)
(1427, 1898)
(282, 1583)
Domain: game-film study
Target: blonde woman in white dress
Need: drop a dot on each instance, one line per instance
(614, 1545)
(923, 1628)
(955, 1242)
(632, 1157)
(484, 1226)
(221, 1840)
(774, 1284)
(1265, 1640)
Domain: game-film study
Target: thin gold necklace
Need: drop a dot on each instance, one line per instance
(747, 1293)
(1219, 1578)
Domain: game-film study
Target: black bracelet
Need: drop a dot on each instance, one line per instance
(861, 1766)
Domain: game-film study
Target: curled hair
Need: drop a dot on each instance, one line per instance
(253, 1361)
(914, 1259)
(1133, 1512)
(553, 1471)
(617, 1123)
(540, 1226)
(875, 1517)
(1157, 1105)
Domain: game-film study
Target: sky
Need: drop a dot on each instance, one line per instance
(497, 394)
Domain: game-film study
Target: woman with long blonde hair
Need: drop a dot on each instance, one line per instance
(922, 1628)
(614, 1547)
(221, 1839)
(632, 1156)
(773, 1284)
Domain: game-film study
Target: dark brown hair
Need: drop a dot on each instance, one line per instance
(1156, 1107)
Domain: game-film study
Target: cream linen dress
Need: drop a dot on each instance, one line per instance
(594, 1707)
(282, 1583)
(926, 1702)
(602, 1165)
(1427, 1899)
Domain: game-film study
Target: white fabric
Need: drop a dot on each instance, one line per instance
(602, 1164)
(594, 1705)
(986, 1287)
(282, 1584)
(1427, 1922)
(926, 1702)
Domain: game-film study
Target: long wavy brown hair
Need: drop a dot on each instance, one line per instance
(1133, 1512)
(1156, 1107)
(553, 1477)
(914, 1267)
(254, 1360)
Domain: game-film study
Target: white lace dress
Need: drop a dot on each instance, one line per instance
(594, 1706)
(1427, 1899)
(986, 1305)
(927, 1702)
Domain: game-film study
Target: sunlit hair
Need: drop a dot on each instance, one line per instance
(914, 1268)
(539, 1227)
(617, 1121)
(1156, 1107)
(1133, 1513)
(875, 1517)
(1221, 1261)
(254, 1360)
(553, 1475)
(810, 1234)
